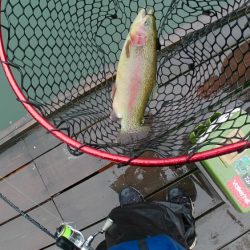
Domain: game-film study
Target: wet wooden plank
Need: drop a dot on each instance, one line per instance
(22, 234)
(16, 129)
(28, 181)
(198, 188)
(242, 243)
(39, 142)
(59, 169)
(221, 226)
(93, 199)
(14, 158)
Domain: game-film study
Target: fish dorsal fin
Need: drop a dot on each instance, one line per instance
(154, 92)
(127, 48)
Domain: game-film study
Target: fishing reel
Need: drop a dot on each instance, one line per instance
(69, 238)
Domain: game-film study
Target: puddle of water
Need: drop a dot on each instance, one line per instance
(144, 179)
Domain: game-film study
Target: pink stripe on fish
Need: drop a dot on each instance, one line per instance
(135, 85)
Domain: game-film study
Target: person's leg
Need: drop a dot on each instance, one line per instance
(136, 219)
(130, 195)
(177, 195)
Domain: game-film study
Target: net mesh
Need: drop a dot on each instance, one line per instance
(64, 56)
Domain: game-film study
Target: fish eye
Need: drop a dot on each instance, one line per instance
(147, 22)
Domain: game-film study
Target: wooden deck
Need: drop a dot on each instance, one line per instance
(84, 189)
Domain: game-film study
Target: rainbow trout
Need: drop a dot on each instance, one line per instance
(135, 79)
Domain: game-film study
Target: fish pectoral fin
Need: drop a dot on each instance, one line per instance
(154, 92)
(112, 94)
(113, 116)
(128, 48)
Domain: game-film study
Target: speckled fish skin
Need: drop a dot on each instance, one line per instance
(135, 79)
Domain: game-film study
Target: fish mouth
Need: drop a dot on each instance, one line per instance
(142, 15)
(150, 12)
(144, 12)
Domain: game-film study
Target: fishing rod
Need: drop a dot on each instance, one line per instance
(27, 217)
(67, 237)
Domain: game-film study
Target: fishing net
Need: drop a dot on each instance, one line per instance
(64, 55)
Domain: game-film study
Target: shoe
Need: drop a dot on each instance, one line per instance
(177, 195)
(130, 195)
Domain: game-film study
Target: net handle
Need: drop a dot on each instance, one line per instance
(101, 154)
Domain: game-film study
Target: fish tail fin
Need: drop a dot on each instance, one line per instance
(129, 137)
